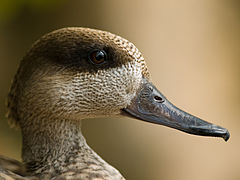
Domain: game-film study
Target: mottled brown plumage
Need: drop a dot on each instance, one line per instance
(58, 84)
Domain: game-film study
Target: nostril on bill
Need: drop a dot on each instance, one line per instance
(158, 99)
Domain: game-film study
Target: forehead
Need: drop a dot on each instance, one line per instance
(72, 45)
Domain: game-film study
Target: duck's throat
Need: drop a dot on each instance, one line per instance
(57, 148)
(49, 145)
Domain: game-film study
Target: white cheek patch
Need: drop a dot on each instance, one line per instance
(114, 88)
(103, 93)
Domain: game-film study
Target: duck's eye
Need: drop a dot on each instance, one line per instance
(98, 57)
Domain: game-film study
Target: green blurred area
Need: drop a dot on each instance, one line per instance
(10, 8)
(192, 49)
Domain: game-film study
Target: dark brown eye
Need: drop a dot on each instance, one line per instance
(98, 57)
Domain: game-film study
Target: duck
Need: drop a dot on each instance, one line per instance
(78, 73)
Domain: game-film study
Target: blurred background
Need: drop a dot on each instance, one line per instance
(192, 49)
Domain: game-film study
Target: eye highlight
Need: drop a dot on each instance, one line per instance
(98, 57)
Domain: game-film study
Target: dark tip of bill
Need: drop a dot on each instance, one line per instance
(226, 136)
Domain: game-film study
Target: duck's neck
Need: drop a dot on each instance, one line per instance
(58, 146)
(44, 141)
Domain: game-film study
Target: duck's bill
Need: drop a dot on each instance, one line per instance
(151, 106)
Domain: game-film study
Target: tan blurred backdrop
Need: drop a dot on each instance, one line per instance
(192, 49)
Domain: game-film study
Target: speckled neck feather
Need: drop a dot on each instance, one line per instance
(63, 152)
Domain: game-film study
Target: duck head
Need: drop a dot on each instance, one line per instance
(78, 73)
